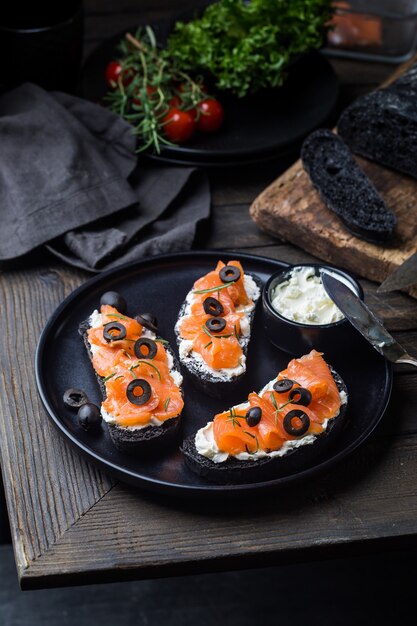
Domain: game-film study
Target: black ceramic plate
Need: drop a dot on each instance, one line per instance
(160, 284)
(257, 127)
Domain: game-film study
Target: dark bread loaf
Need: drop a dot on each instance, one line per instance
(133, 440)
(382, 126)
(234, 471)
(344, 188)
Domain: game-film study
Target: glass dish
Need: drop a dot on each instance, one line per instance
(374, 30)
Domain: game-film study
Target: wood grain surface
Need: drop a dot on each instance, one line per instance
(291, 209)
(72, 524)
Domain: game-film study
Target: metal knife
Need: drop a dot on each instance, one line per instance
(364, 320)
(404, 276)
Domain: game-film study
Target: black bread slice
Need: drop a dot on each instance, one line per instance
(382, 126)
(232, 471)
(345, 189)
(141, 440)
(206, 381)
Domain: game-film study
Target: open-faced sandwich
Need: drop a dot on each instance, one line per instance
(214, 326)
(279, 429)
(138, 377)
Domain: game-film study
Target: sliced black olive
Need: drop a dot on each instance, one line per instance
(114, 299)
(216, 324)
(229, 273)
(212, 306)
(281, 386)
(89, 416)
(141, 398)
(148, 320)
(253, 415)
(108, 333)
(145, 348)
(297, 431)
(74, 398)
(299, 395)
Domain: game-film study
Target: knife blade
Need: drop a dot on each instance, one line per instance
(362, 318)
(404, 276)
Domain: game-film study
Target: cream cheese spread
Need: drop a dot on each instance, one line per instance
(302, 298)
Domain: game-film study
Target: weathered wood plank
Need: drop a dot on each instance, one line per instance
(373, 496)
(47, 486)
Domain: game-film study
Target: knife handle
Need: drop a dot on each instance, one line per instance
(407, 359)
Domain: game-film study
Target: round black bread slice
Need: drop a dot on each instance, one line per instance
(345, 189)
(139, 440)
(382, 126)
(233, 471)
(205, 381)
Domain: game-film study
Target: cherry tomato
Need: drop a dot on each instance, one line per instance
(211, 116)
(178, 125)
(113, 71)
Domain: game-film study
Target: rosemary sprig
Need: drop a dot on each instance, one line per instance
(166, 405)
(146, 87)
(126, 353)
(278, 408)
(108, 377)
(206, 330)
(142, 362)
(253, 437)
(211, 289)
(163, 341)
(208, 344)
(122, 317)
(234, 418)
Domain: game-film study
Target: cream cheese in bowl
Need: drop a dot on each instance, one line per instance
(298, 315)
(303, 299)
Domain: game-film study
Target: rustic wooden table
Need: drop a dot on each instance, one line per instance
(72, 524)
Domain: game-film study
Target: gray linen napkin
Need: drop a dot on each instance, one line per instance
(68, 179)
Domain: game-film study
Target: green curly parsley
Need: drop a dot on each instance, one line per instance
(248, 44)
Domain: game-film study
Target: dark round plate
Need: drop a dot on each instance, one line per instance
(257, 127)
(160, 284)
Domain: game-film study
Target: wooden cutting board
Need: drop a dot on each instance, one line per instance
(291, 209)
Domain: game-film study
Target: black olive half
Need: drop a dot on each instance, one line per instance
(145, 348)
(293, 430)
(148, 320)
(89, 416)
(74, 398)
(213, 307)
(299, 395)
(253, 415)
(141, 398)
(216, 324)
(114, 299)
(114, 336)
(281, 386)
(229, 273)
